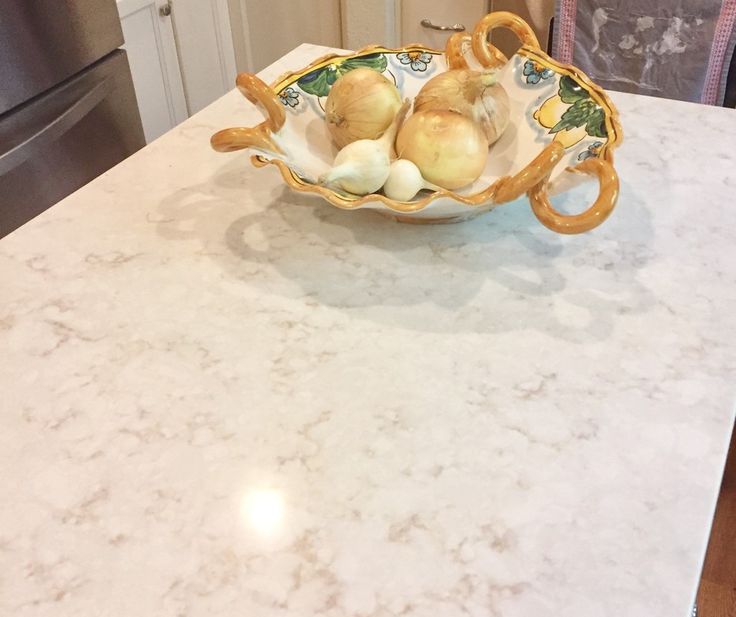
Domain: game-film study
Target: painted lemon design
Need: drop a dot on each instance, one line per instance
(551, 111)
(570, 137)
(572, 114)
(550, 114)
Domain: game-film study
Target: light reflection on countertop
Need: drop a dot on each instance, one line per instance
(262, 512)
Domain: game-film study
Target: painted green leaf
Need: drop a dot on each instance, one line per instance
(377, 62)
(317, 82)
(596, 124)
(570, 91)
(583, 110)
(576, 115)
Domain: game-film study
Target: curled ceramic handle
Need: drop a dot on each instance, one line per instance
(455, 50)
(593, 216)
(509, 188)
(261, 136)
(486, 53)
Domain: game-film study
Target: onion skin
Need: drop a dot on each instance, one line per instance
(471, 93)
(448, 148)
(361, 105)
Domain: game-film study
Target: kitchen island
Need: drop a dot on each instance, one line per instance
(222, 398)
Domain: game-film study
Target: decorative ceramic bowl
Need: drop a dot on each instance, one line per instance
(562, 126)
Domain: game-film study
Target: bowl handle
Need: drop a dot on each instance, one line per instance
(593, 216)
(261, 136)
(488, 55)
(509, 188)
(455, 50)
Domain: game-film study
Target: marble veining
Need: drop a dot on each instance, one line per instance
(221, 398)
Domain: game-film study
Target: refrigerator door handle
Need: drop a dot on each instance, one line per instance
(38, 139)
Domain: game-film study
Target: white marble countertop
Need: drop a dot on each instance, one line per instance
(221, 399)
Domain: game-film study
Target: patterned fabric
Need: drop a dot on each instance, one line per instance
(723, 47)
(677, 49)
(564, 32)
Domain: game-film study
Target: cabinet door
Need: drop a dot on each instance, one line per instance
(458, 12)
(205, 43)
(149, 41)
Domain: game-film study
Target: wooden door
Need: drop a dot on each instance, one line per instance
(151, 48)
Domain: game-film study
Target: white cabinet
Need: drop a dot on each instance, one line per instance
(458, 12)
(151, 48)
(538, 13)
(367, 22)
(205, 45)
(181, 57)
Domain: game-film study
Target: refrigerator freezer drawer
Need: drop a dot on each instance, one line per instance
(44, 42)
(65, 138)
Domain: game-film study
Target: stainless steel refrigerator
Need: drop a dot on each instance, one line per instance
(67, 106)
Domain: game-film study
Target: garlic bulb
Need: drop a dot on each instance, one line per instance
(405, 181)
(360, 105)
(448, 148)
(474, 94)
(362, 166)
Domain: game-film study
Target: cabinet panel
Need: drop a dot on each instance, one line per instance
(275, 27)
(538, 13)
(369, 22)
(149, 41)
(465, 12)
(205, 44)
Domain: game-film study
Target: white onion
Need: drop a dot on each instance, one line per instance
(362, 167)
(405, 181)
(448, 148)
(360, 105)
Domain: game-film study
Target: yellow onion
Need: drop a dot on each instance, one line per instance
(361, 105)
(474, 94)
(448, 148)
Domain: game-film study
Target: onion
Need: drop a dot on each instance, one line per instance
(361, 105)
(405, 181)
(473, 94)
(448, 148)
(363, 166)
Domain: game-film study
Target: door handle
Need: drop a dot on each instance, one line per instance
(165, 10)
(427, 23)
(36, 140)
